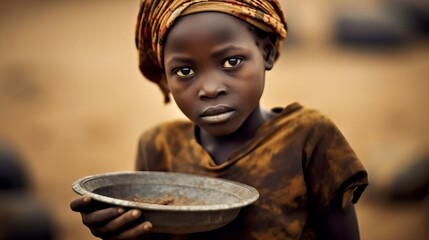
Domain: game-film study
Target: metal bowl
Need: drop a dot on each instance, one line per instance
(174, 202)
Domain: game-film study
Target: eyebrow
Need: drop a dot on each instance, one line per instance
(217, 52)
(222, 50)
(178, 58)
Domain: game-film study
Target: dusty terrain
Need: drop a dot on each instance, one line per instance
(73, 103)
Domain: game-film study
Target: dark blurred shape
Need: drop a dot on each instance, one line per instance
(22, 216)
(370, 28)
(415, 13)
(413, 183)
(13, 175)
(393, 24)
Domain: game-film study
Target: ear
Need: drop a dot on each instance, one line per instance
(269, 52)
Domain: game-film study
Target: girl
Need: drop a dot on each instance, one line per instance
(212, 57)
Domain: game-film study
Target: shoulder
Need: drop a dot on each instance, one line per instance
(166, 129)
(318, 128)
(156, 142)
(303, 117)
(166, 134)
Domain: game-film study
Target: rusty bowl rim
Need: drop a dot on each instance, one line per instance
(253, 195)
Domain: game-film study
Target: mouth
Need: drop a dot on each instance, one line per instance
(217, 114)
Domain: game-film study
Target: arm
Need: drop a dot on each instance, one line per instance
(339, 224)
(336, 178)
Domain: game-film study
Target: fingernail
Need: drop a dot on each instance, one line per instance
(135, 213)
(147, 226)
(121, 210)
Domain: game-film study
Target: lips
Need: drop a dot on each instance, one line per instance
(217, 114)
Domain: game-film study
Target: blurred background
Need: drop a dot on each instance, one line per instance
(73, 103)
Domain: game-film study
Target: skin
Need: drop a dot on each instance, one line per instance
(217, 82)
(218, 89)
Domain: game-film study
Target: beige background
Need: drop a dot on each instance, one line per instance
(73, 102)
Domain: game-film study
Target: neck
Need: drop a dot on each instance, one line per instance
(221, 147)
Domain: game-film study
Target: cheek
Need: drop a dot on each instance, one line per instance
(176, 89)
(253, 84)
(178, 86)
(182, 96)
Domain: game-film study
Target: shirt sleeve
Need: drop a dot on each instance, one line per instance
(332, 169)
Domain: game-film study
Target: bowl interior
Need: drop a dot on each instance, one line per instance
(165, 194)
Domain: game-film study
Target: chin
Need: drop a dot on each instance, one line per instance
(219, 130)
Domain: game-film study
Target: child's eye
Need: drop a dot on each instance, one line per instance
(184, 72)
(232, 62)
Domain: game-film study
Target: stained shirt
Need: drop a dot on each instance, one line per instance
(298, 161)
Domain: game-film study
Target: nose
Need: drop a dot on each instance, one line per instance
(211, 87)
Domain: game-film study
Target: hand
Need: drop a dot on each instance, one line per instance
(110, 222)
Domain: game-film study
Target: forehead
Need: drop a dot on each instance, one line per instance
(212, 26)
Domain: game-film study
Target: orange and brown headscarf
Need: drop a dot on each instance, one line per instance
(157, 16)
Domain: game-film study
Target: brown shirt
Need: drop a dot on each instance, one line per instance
(298, 161)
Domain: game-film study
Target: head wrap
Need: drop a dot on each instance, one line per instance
(156, 17)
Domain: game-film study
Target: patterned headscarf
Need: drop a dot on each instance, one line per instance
(157, 16)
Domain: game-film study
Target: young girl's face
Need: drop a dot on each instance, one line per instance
(215, 70)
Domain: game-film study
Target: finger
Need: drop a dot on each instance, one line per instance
(99, 217)
(80, 204)
(136, 231)
(117, 223)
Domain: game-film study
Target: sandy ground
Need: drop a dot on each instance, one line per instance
(73, 103)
